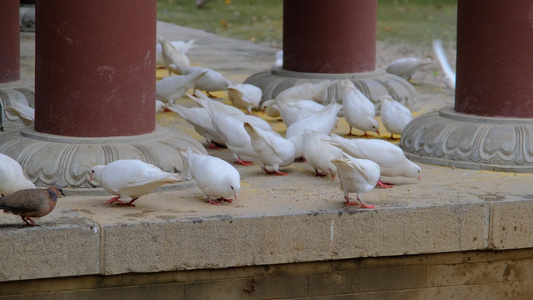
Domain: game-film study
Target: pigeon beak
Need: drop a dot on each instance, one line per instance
(419, 179)
(235, 197)
(377, 131)
(264, 110)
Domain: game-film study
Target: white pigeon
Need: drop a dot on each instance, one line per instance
(405, 67)
(279, 59)
(273, 150)
(172, 56)
(231, 130)
(159, 106)
(245, 96)
(215, 177)
(357, 176)
(292, 110)
(210, 82)
(183, 46)
(306, 90)
(235, 137)
(390, 158)
(200, 119)
(24, 112)
(359, 111)
(270, 107)
(318, 153)
(323, 121)
(444, 64)
(12, 177)
(204, 101)
(171, 88)
(394, 115)
(130, 178)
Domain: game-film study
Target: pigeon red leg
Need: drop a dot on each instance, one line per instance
(348, 202)
(212, 202)
(226, 200)
(129, 203)
(213, 146)
(216, 146)
(115, 199)
(366, 134)
(267, 172)
(385, 185)
(275, 173)
(278, 173)
(359, 203)
(363, 205)
(244, 162)
(321, 174)
(350, 133)
(28, 221)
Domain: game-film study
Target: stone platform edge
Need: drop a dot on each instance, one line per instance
(87, 248)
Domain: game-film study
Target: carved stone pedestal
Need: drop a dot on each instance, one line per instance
(67, 161)
(15, 92)
(372, 84)
(449, 138)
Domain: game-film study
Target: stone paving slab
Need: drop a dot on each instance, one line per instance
(66, 244)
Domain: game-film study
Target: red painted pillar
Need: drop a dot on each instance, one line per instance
(9, 41)
(495, 58)
(329, 36)
(94, 67)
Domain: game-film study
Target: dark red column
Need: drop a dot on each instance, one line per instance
(9, 41)
(495, 58)
(329, 36)
(94, 67)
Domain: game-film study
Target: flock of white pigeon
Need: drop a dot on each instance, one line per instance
(357, 162)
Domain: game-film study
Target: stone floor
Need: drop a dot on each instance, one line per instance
(275, 220)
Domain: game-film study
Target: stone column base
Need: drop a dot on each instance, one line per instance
(67, 161)
(21, 91)
(372, 84)
(449, 138)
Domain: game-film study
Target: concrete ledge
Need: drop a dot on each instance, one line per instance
(70, 246)
(276, 220)
(225, 241)
(511, 225)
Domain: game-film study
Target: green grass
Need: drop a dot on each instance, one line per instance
(417, 20)
(261, 20)
(253, 20)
